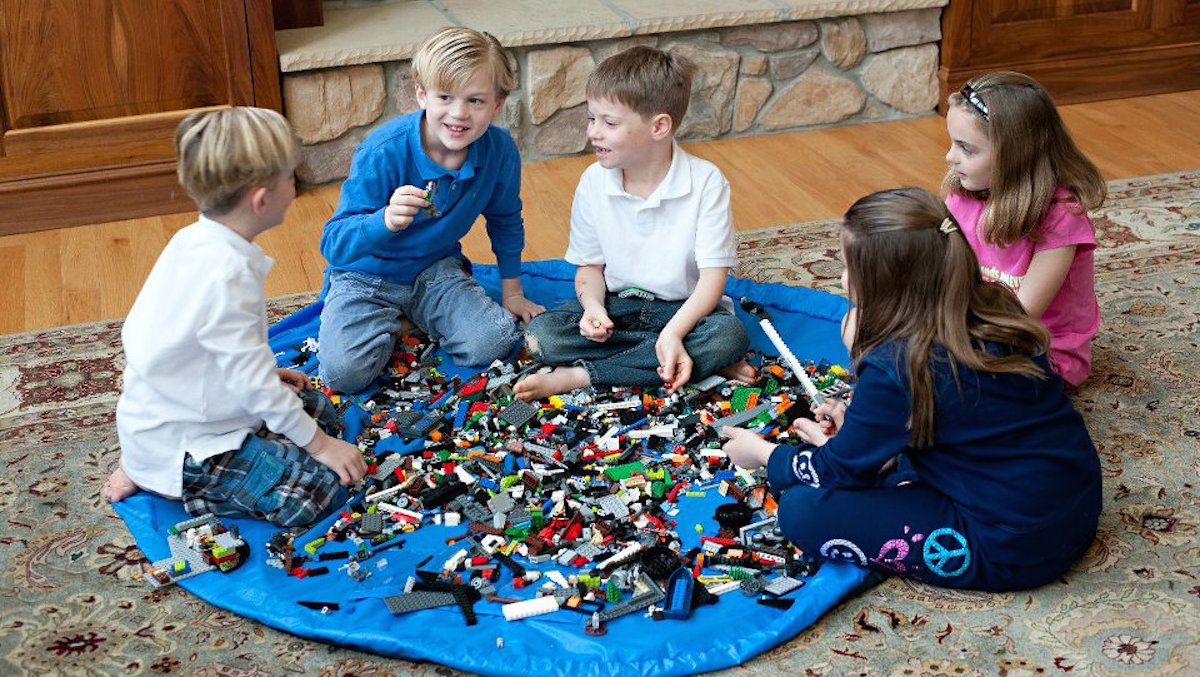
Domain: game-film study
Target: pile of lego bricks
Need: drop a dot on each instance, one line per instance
(563, 504)
(715, 636)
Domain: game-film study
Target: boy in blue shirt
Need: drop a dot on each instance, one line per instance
(416, 186)
(652, 238)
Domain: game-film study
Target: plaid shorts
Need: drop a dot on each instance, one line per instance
(268, 477)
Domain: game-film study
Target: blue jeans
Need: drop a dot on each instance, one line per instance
(362, 316)
(628, 356)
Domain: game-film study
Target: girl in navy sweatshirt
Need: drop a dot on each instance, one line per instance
(1000, 488)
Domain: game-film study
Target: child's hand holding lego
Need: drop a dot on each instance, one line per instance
(675, 365)
(296, 380)
(339, 456)
(595, 325)
(829, 417)
(817, 432)
(745, 448)
(403, 207)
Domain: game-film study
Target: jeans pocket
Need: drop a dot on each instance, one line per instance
(256, 492)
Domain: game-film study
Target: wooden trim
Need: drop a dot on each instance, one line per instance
(264, 55)
(236, 52)
(96, 134)
(298, 14)
(955, 47)
(1098, 77)
(111, 194)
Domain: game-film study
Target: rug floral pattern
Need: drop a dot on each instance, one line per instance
(69, 603)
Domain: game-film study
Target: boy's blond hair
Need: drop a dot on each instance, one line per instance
(226, 152)
(450, 58)
(648, 81)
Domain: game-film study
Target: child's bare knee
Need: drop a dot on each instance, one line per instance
(531, 343)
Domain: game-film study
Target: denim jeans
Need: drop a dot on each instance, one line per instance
(268, 477)
(362, 316)
(628, 356)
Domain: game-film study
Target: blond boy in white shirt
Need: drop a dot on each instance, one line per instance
(205, 414)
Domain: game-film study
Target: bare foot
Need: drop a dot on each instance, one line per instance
(118, 486)
(560, 380)
(739, 371)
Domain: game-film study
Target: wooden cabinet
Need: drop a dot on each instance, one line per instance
(91, 92)
(1081, 50)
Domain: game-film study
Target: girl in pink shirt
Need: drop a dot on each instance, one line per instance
(1020, 188)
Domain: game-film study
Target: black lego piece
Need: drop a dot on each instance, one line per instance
(319, 606)
(630, 416)
(798, 409)
(509, 563)
(732, 516)
(441, 495)
(777, 603)
(422, 427)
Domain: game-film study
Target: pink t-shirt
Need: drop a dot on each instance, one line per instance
(1073, 316)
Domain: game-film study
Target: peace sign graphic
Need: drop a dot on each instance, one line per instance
(940, 557)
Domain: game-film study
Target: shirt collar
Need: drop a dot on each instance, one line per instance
(429, 170)
(250, 250)
(676, 183)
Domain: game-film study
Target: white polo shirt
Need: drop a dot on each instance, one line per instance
(199, 374)
(658, 244)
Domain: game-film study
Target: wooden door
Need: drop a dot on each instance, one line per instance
(91, 92)
(1081, 50)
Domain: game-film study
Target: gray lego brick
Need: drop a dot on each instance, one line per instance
(782, 586)
(417, 600)
(613, 505)
(518, 413)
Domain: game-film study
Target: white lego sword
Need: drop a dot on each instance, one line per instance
(769, 329)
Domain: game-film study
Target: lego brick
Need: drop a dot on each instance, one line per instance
(417, 600)
(518, 413)
(782, 586)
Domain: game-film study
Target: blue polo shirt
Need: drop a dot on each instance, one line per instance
(488, 183)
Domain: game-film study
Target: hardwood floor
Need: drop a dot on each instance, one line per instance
(89, 273)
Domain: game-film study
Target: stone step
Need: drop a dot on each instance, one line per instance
(764, 65)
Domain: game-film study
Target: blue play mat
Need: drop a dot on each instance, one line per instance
(714, 637)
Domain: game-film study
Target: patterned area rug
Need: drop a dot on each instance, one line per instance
(69, 603)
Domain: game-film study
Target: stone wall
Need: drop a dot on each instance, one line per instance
(751, 80)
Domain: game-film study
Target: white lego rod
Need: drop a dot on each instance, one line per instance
(797, 368)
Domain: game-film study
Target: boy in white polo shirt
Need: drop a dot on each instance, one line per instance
(205, 415)
(652, 238)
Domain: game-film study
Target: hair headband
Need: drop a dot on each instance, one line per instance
(975, 100)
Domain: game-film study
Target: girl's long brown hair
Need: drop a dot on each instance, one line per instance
(1032, 156)
(913, 282)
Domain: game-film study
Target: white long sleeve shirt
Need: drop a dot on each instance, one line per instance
(199, 374)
